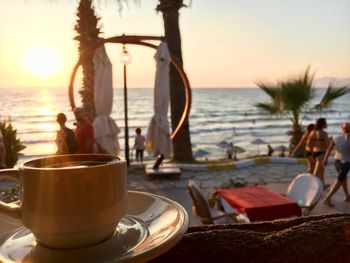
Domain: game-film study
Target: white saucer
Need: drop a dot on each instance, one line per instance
(152, 226)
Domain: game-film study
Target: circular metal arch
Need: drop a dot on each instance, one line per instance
(136, 40)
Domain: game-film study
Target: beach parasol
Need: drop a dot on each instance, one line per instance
(281, 148)
(237, 149)
(105, 128)
(200, 153)
(258, 141)
(222, 144)
(158, 134)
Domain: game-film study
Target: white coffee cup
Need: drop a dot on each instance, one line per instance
(70, 201)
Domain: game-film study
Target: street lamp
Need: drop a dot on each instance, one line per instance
(126, 59)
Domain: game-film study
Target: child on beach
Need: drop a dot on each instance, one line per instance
(139, 145)
(341, 162)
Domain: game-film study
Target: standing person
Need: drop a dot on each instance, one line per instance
(303, 145)
(139, 145)
(229, 151)
(65, 139)
(270, 150)
(2, 152)
(318, 143)
(84, 133)
(341, 163)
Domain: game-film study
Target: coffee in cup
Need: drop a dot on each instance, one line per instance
(70, 201)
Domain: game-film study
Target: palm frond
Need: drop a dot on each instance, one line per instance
(271, 90)
(333, 92)
(297, 93)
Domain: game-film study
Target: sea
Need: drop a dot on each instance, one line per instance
(218, 116)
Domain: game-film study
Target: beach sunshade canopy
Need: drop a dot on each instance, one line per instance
(258, 141)
(105, 128)
(281, 148)
(238, 149)
(158, 135)
(200, 153)
(222, 144)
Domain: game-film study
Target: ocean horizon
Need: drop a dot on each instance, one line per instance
(217, 115)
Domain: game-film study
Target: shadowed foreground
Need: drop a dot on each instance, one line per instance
(306, 239)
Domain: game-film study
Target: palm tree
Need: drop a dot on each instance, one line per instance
(87, 33)
(182, 143)
(170, 10)
(291, 98)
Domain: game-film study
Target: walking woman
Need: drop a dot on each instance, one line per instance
(341, 163)
(302, 146)
(318, 143)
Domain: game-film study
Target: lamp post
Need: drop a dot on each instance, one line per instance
(126, 59)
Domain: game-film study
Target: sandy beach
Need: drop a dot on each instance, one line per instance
(276, 176)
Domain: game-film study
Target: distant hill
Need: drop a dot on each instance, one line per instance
(324, 81)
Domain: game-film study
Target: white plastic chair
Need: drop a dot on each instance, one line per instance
(306, 190)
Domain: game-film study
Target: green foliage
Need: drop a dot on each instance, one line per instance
(333, 92)
(12, 144)
(234, 183)
(292, 97)
(288, 97)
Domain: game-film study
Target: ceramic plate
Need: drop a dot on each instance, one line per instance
(152, 226)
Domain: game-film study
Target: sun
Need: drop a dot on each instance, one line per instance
(42, 61)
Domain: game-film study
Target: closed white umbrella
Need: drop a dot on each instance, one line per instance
(158, 134)
(105, 128)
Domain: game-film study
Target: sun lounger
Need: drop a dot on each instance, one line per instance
(164, 170)
(161, 171)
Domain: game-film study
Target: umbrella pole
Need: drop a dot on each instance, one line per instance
(126, 119)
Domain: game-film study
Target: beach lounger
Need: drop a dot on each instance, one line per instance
(166, 170)
(163, 171)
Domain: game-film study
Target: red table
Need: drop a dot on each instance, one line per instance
(260, 203)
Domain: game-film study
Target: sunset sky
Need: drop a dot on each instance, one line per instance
(226, 43)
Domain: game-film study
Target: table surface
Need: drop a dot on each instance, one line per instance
(260, 203)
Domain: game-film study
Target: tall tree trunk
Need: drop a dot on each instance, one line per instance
(295, 138)
(182, 143)
(87, 33)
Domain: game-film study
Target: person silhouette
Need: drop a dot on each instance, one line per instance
(139, 145)
(341, 162)
(270, 150)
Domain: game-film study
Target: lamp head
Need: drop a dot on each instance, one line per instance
(125, 57)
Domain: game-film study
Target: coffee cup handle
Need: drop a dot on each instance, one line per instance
(11, 209)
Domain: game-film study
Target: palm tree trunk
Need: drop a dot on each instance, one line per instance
(295, 138)
(182, 143)
(88, 31)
